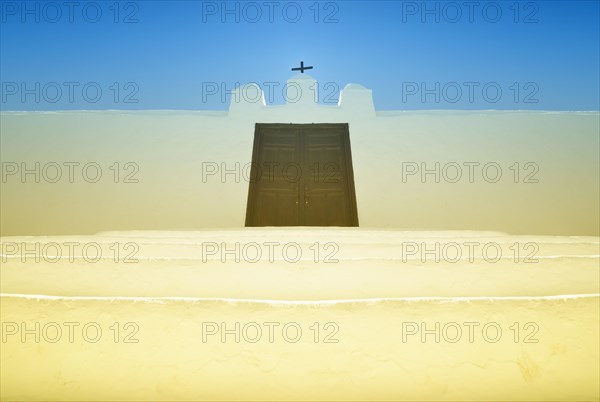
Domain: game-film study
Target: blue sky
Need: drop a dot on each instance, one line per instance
(414, 55)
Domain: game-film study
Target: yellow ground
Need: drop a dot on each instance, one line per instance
(380, 320)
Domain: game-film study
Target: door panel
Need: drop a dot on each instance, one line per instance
(301, 176)
(326, 187)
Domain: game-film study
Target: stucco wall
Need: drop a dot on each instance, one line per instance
(172, 150)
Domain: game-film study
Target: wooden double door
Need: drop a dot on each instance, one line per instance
(301, 175)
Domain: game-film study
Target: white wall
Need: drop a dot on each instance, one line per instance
(170, 149)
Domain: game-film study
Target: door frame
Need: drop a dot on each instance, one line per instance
(349, 174)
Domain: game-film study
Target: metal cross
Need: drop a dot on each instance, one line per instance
(302, 68)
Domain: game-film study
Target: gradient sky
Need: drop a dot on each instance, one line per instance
(165, 55)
